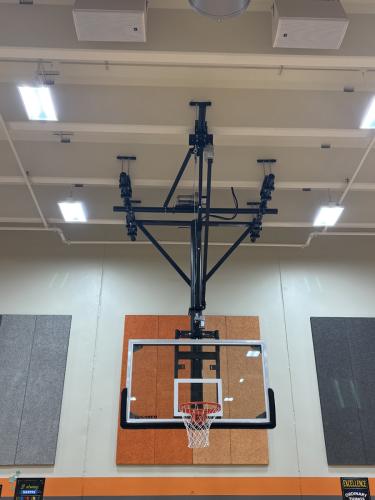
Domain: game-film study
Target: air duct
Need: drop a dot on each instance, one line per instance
(220, 9)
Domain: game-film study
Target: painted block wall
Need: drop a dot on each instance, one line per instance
(98, 286)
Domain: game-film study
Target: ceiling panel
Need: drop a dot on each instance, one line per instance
(231, 107)
(263, 107)
(15, 201)
(161, 162)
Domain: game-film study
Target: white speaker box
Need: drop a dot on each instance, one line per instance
(110, 20)
(308, 24)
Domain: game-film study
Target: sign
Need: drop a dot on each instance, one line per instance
(29, 489)
(355, 488)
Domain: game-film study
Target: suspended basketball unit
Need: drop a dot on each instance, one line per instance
(199, 379)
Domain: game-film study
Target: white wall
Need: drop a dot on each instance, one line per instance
(98, 286)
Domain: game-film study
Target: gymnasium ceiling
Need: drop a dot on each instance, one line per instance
(133, 99)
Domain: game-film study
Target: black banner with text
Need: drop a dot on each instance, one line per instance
(355, 488)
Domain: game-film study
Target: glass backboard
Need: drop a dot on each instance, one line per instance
(163, 374)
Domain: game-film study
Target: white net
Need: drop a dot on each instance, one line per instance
(198, 417)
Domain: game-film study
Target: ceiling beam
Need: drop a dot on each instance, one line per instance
(176, 134)
(184, 184)
(100, 128)
(212, 78)
(182, 58)
(120, 222)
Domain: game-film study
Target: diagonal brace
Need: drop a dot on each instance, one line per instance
(178, 177)
(230, 251)
(165, 254)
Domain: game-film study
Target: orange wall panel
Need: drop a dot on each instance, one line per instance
(170, 445)
(136, 447)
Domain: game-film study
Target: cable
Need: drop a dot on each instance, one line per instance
(235, 201)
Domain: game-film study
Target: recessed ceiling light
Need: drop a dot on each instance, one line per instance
(369, 119)
(72, 211)
(242, 380)
(327, 216)
(228, 400)
(38, 103)
(252, 354)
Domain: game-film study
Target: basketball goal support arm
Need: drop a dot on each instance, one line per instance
(165, 254)
(201, 147)
(178, 177)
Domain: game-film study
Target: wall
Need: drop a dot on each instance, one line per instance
(99, 285)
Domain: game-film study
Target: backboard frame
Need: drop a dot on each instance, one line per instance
(127, 422)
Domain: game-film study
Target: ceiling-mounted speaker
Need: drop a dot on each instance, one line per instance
(220, 9)
(308, 24)
(110, 20)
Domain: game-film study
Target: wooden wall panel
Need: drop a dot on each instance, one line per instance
(219, 450)
(169, 447)
(247, 446)
(136, 447)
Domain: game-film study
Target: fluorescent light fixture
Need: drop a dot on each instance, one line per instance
(72, 211)
(38, 103)
(252, 354)
(228, 400)
(369, 118)
(328, 215)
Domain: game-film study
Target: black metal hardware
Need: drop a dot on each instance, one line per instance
(191, 210)
(217, 424)
(196, 355)
(204, 215)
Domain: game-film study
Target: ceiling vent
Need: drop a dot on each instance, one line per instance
(110, 20)
(308, 24)
(220, 9)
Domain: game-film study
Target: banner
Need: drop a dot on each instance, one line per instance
(29, 488)
(355, 488)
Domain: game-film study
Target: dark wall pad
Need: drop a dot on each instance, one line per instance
(41, 415)
(362, 349)
(341, 348)
(16, 338)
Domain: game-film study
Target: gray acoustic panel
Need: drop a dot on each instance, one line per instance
(16, 338)
(41, 414)
(337, 390)
(362, 349)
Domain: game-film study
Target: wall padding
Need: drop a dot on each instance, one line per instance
(344, 354)
(16, 339)
(35, 352)
(41, 412)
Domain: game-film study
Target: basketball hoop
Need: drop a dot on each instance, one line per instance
(198, 417)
